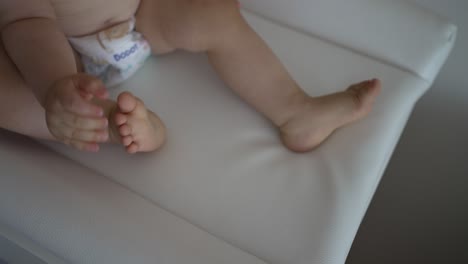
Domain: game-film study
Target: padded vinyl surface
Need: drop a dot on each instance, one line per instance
(82, 217)
(224, 169)
(10, 253)
(21, 240)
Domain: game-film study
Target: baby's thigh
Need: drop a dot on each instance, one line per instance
(149, 23)
(193, 25)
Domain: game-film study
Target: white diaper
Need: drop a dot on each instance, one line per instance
(114, 54)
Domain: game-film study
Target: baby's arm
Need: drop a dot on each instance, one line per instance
(36, 44)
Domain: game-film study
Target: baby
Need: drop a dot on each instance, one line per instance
(57, 57)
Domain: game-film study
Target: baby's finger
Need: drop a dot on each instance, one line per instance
(103, 95)
(86, 96)
(80, 106)
(86, 135)
(91, 85)
(86, 123)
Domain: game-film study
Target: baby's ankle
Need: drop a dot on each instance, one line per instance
(296, 104)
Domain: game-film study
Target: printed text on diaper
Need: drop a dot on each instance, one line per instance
(125, 54)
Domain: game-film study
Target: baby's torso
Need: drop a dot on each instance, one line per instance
(83, 17)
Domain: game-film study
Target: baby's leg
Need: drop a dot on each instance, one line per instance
(129, 121)
(251, 69)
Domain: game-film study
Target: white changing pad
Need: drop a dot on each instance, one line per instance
(235, 193)
(224, 169)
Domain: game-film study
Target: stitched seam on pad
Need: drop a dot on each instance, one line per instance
(343, 46)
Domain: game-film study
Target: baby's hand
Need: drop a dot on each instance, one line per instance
(71, 116)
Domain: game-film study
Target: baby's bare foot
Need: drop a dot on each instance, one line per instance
(137, 128)
(322, 115)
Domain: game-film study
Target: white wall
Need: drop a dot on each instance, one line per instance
(420, 211)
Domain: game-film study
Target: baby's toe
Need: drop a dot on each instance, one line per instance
(125, 130)
(374, 87)
(133, 148)
(365, 92)
(369, 92)
(126, 102)
(127, 140)
(366, 87)
(120, 119)
(358, 87)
